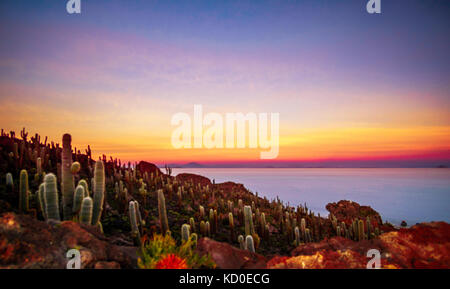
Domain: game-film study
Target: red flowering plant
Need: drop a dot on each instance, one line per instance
(162, 252)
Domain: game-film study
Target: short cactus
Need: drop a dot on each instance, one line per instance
(51, 198)
(78, 197)
(192, 224)
(85, 186)
(185, 232)
(249, 243)
(75, 168)
(194, 239)
(241, 242)
(85, 216)
(9, 181)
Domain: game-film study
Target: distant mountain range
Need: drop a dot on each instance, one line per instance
(320, 164)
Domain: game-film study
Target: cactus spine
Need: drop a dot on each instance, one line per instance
(98, 191)
(51, 198)
(85, 216)
(67, 185)
(23, 191)
(162, 212)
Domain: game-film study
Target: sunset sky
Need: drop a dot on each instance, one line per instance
(348, 85)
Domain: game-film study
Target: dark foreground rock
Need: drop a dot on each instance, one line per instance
(28, 243)
(426, 245)
(228, 257)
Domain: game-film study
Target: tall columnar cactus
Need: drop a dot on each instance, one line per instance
(9, 181)
(162, 212)
(248, 218)
(23, 191)
(231, 223)
(303, 228)
(263, 225)
(203, 228)
(249, 244)
(297, 236)
(185, 232)
(98, 191)
(51, 198)
(201, 211)
(78, 197)
(308, 238)
(369, 228)
(41, 199)
(85, 215)
(208, 229)
(211, 219)
(84, 184)
(140, 221)
(361, 230)
(67, 185)
(39, 166)
(132, 213)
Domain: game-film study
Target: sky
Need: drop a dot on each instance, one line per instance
(348, 86)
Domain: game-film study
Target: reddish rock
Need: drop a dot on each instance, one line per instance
(347, 211)
(425, 245)
(196, 179)
(149, 168)
(228, 257)
(28, 243)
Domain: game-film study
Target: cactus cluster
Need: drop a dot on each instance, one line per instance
(194, 209)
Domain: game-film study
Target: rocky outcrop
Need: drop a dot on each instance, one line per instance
(195, 179)
(347, 211)
(28, 243)
(425, 245)
(149, 168)
(228, 257)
